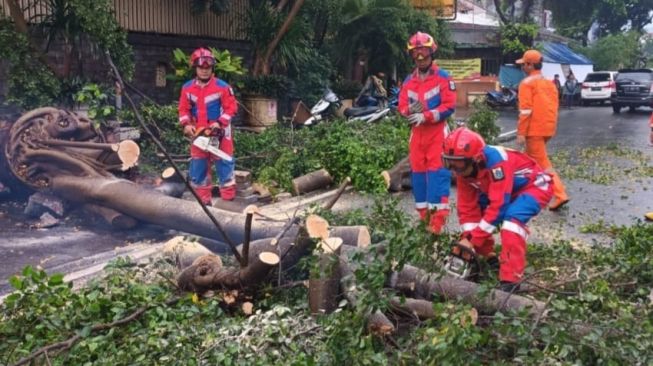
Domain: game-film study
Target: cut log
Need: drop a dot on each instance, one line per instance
(169, 174)
(172, 184)
(248, 308)
(358, 236)
(311, 181)
(377, 323)
(317, 227)
(324, 282)
(395, 176)
(422, 284)
(111, 217)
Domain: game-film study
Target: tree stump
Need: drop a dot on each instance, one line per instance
(324, 281)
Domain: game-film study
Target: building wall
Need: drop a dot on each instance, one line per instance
(156, 28)
(153, 51)
(160, 16)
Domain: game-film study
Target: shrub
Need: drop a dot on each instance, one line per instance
(484, 121)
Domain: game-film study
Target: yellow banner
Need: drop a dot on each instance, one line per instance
(462, 69)
(445, 9)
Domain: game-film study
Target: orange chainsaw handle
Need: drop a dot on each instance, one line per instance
(208, 131)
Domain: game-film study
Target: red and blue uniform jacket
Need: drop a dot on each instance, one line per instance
(437, 94)
(489, 198)
(203, 105)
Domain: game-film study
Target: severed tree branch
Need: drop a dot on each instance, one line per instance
(68, 343)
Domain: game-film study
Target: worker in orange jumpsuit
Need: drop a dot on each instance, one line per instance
(538, 117)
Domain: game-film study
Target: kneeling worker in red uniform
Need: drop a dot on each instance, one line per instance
(496, 186)
(206, 106)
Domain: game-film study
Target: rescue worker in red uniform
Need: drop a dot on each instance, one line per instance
(496, 187)
(427, 98)
(207, 102)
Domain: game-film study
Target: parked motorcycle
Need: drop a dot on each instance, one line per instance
(330, 102)
(506, 97)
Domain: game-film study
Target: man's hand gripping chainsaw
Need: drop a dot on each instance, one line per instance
(208, 139)
(462, 262)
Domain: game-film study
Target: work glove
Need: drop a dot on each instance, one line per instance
(416, 119)
(416, 107)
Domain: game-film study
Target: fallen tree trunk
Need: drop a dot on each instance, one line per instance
(420, 283)
(153, 207)
(114, 218)
(311, 181)
(394, 177)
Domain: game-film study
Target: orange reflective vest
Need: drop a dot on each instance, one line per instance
(538, 106)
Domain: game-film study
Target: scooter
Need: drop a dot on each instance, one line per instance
(507, 97)
(321, 109)
(330, 102)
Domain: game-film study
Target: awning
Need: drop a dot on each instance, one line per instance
(559, 53)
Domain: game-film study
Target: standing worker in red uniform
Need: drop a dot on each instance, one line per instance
(496, 186)
(538, 119)
(427, 99)
(207, 102)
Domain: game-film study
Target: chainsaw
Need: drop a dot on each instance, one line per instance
(208, 139)
(462, 262)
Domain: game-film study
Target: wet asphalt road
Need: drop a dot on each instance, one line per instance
(620, 203)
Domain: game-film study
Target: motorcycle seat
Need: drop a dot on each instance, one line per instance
(359, 111)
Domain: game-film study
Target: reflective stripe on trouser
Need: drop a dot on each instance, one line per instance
(536, 149)
(514, 233)
(431, 189)
(430, 180)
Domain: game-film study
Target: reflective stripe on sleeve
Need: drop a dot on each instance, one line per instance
(486, 226)
(469, 226)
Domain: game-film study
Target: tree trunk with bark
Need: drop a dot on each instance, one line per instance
(311, 181)
(324, 281)
(417, 282)
(262, 58)
(395, 177)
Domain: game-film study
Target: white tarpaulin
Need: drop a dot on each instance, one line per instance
(549, 70)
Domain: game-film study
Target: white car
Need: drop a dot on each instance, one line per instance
(597, 87)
